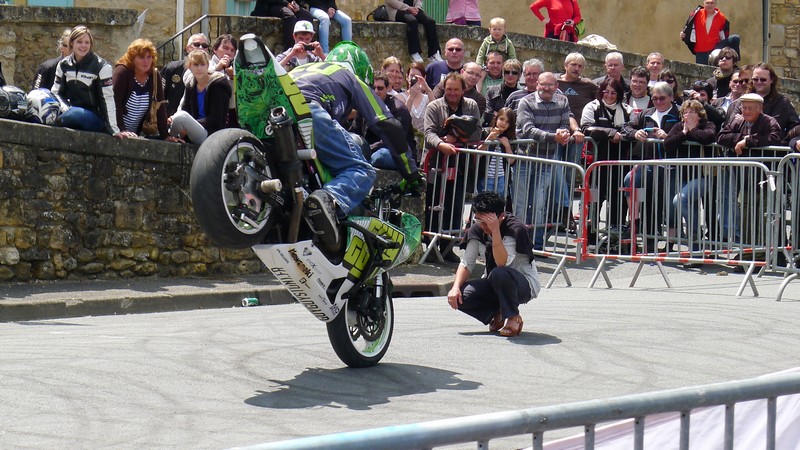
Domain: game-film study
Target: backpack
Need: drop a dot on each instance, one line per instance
(688, 30)
(380, 14)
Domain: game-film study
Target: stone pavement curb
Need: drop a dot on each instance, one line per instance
(62, 299)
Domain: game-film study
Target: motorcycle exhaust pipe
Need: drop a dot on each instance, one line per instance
(271, 186)
(282, 130)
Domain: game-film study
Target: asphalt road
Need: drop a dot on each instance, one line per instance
(239, 376)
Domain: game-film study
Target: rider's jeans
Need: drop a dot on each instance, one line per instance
(352, 174)
(79, 118)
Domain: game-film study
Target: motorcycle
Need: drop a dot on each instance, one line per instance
(248, 188)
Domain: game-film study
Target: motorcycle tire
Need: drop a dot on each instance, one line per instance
(233, 218)
(358, 340)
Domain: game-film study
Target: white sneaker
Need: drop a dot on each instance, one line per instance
(416, 57)
(436, 57)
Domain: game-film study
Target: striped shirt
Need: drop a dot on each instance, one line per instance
(539, 120)
(136, 107)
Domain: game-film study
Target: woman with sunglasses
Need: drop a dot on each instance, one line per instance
(496, 95)
(669, 77)
(46, 72)
(726, 60)
(602, 120)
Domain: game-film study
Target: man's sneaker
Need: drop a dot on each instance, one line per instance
(321, 216)
(435, 57)
(416, 57)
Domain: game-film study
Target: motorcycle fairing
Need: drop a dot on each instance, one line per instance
(307, 274)
(261, 84)
(316, 282)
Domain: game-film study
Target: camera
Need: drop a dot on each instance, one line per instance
(687, 94)
(414, 81)
(308, 47)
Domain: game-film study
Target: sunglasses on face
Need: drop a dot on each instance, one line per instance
(760, 80)
(455, 49)
(670, 81)
(199, 45)
(741, 81)
(723, 58)
(510, 72)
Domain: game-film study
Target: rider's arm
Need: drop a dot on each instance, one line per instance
(393, 137)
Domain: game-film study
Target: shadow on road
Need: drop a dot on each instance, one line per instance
(525, 338)
(357, 389)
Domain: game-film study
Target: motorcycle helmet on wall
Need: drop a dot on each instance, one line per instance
(43, 106)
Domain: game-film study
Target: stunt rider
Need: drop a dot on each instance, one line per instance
(332, 94)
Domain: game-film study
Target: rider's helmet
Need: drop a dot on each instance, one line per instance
(13, 103)
(351, 56)
(43, 106)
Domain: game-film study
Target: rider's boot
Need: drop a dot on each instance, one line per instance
(321, 216)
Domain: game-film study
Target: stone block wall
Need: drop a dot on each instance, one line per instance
(77, 205)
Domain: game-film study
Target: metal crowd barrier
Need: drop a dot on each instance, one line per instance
(480, 429)
(717, 209)
(540, 191)
(786, 258)
(680, 210)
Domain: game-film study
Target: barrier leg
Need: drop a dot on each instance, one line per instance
(601, 270)
(663, 274)
(748, 278)
(660, 269)
(432, 246)
(636, 274)
(559, 269)
(783, 286)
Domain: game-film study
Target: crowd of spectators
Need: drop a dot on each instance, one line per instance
(740, 106)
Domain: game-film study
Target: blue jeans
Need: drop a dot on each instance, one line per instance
(325, 26)
(687, 201)
(79, 118)
(563, 176)
(729, 211)
(532, 184)
(660, 185)
(382, 159)
(352, 175)
(494, 184)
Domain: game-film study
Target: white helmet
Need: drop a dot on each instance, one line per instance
(43, 106)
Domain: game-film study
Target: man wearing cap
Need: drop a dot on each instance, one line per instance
(304, 50)
(750, 128)
(289, 11)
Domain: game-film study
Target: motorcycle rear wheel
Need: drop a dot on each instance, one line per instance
(358, 340)
(228, 204)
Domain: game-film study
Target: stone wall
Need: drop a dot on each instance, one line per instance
(79, 205)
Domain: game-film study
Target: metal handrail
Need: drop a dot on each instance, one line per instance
(170, 51)
(535, 421)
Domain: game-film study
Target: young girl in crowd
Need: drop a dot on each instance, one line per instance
(502, 129)
(204, 106)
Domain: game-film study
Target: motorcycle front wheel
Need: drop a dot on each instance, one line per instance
(225, 188)
(361, 336)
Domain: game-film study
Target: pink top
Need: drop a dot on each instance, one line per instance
(466, 9)
(559, 12)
